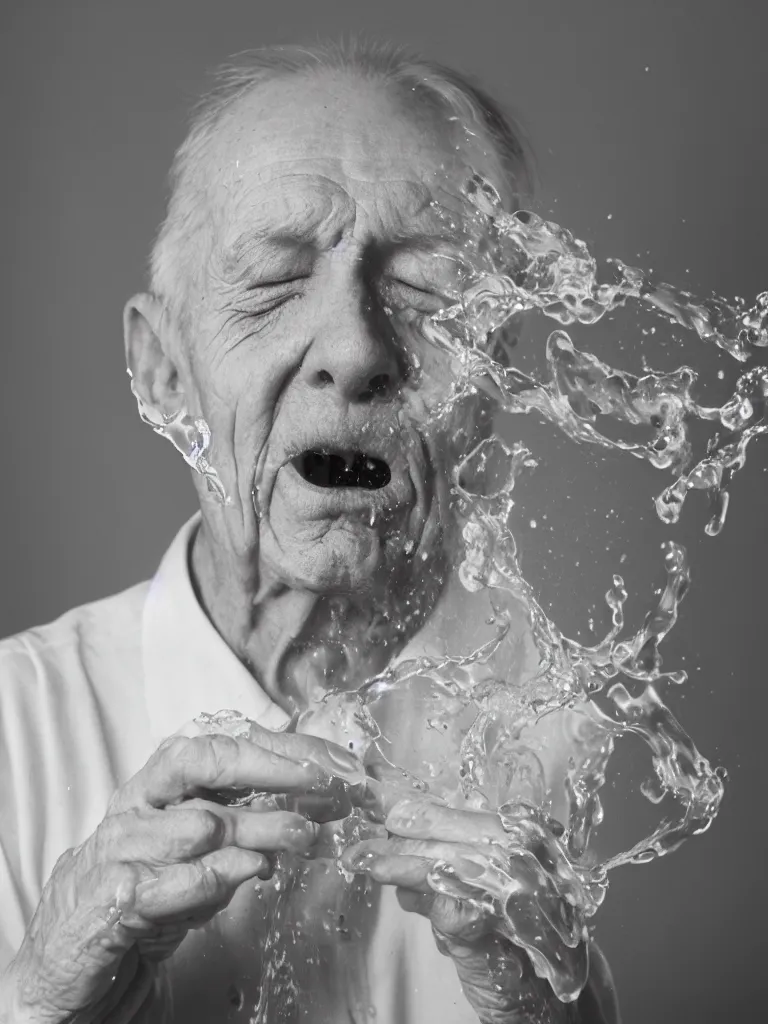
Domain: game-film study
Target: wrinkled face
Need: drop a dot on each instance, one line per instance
(319, 398)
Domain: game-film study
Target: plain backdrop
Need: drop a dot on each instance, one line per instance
(648, 120)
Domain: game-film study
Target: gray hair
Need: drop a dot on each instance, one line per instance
(173, 254)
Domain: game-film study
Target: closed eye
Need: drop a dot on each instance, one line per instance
(267, 297)
(413, 287)
(402, 292)
(280, 283)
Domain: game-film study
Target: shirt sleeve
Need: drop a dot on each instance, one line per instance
(56, 774)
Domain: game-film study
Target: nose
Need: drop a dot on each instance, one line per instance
(355, 356)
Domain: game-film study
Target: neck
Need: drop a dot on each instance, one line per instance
(297, 644)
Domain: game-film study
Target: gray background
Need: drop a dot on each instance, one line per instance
(648, 123)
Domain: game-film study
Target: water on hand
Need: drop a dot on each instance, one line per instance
(492, 706)
(530, 733)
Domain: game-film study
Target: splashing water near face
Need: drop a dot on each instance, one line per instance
(531, 264)
(461, 722)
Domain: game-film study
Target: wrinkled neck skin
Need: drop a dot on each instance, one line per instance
(299, 643)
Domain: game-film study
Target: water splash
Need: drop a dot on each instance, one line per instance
(190, 436)
(530, 733)
(546, 880)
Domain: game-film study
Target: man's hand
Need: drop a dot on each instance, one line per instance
(164, 859)
(496, 974)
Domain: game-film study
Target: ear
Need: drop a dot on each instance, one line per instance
(150, 344)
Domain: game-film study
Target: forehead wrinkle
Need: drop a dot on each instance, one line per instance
(282, 220)
(305, 123)
(297, 194)
(310, 211)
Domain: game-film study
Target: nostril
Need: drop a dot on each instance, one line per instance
(323, 377)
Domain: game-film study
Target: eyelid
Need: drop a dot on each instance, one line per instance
(264, 309)
(433, 293)
(415, 287)
(255, 285)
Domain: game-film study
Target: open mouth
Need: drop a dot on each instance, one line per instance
(342, 469)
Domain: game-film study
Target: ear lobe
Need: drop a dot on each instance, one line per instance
(153, 371)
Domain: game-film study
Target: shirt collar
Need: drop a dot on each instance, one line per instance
(188, 667)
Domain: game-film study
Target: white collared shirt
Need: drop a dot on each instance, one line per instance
(84, 701)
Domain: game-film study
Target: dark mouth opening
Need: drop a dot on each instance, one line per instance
(343, 469)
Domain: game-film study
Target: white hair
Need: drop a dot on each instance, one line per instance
(177, 247)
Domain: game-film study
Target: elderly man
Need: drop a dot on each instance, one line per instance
(304, 218)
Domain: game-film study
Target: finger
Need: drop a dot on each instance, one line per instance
(331, 806)
(262, 831)
(403, 871)
(331, 837)
(164, 940)
(187, 831)
(454, 919)
(301, 747)
(334, 803)
(415, 902)
(185, 767)
(156, 838)
(381, 794)
(335, 759)
(407, 862)
(423, 818)
(461, 919)
(202, 886)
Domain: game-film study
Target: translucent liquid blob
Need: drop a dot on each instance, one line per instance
(497, 709)
(545, 881)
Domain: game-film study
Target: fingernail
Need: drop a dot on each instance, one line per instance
(306, 827)
(467, 868)
(303, 833)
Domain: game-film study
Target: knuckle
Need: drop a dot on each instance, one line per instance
(167, 752)
(205, 759)
(210, 828)
(109, 829)
(115, 881)
(98, 847)
(174, 748)
(210, 884)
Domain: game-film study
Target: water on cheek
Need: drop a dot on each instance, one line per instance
(546, 876)
(497, 709)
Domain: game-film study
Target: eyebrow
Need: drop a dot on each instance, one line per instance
(265, 239)
(263, 244)
(431, 244)
(261, 247)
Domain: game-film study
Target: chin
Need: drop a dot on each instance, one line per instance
(349, 558)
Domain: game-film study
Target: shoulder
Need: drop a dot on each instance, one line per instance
(81, 646)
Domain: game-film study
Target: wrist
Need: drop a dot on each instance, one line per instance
(20, 1001)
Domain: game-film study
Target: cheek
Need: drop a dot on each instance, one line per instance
(239, 387)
